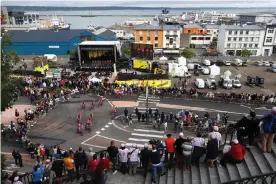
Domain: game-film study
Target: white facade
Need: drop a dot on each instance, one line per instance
(269, 46)
(31, 18)
(120, 33)
(200, 39)
(234, 38)
(171, 39)
(138, 21)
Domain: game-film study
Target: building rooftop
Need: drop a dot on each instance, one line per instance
(45, 35)
(193, 26)
(244, 27)
(255, 14)
(153, 27)
(211, 26)
(107, 34)
(100, 43)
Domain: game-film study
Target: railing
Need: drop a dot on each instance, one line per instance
(269, 178)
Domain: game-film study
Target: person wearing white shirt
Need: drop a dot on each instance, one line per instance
(216, 134)
(134, 159)
(198, 144)
(165, 126)
(44, 85)
(123, 156)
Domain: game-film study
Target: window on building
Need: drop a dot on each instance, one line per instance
(167, 44)
(174, 39)
(200, 38)
(235, 39)
(256, 45)
(241, 32)
(156, 38)
(245, 39)
(250, 45)
(201, 31)
(167, 38)
(215, 32)
(171, 41)
(208, 31)
(228, 45)
(175, 32)
(252, 39)
(257, 32)
(268, 39)
(168, 33)
(148, 38)
(208, 38)
(246, 32)
(174, 45)
(189, 31)
(244, 45)
(235, 32)
(256, 39)
(156, 45)
(240, 39)
(229, 39)
(238, 45)
(270, 30)
(229, 32)
(140, 33)
(193, 38)
(148, 33)
(155, 33)
(141, 38)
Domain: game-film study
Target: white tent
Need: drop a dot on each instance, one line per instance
(94, 79)
(182, 61)
(163, 58)
(214, 70)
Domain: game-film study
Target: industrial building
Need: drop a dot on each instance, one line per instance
(58, 42)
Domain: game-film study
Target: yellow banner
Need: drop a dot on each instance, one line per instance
(141, 64)
(159, 71)
(166, 83)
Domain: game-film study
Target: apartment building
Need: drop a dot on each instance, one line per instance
(166, 36)
(193, 29)
(234, 38)
(212, 30)
(269, 44)
(256, 17)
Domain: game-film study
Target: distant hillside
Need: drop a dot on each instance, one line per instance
(51, 8)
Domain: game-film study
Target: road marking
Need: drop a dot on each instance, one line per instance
(110, 138)
(147, 135)
(90, 138)
(6, 153)
(106, 126)
(102, 147)
(98, 132)
(120, 127)
(139, 140)
(109, 123)
(263, 108)
(246, 106)
(102, 129)
(152, 131)
(13, 171)
(141, 96)
(148, 99)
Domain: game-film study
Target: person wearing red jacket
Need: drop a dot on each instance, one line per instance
(235, 154)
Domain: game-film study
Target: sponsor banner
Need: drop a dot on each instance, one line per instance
(159, 71)
(165, 83)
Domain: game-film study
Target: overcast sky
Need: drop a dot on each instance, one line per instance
(144, 3)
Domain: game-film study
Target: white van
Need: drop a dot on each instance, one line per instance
(199, 83)
(227, 63)
(210, 83)
(192, 66)
(206, 62)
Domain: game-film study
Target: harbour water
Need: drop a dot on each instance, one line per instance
(78, 22)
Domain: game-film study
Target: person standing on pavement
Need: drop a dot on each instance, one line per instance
(123, 154)
(57, 167)
(37, 173)
(79, 160)
(165, 126)
(145, 158)
(112, 151)
(225, 118)
(14, 154)
(90, 154)
(69, 166)
(19, 157)
(178, 149)
(156, 163)
(269, 129)
(93, 164)
(133, 155)
(169, 154)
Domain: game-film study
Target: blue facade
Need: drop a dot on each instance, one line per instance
(50, 42)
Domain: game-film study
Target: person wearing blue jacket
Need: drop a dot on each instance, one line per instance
(269, 129)
(37, 174)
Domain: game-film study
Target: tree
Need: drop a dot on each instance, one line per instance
(246, 53)
(188, 53)
(127, 51)
(8, 84)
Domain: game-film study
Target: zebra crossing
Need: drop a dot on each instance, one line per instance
(142, 100)
(142, 136)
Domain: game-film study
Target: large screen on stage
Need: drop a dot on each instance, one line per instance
(142, 51)
(98, 57)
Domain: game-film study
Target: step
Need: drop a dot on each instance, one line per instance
(163, 179)
(213, 175)
(243, 170)
(252, 166)
(270, 158)
(178, 178)
(148, 178)
(233, 171)
(116, 178)
(138, 179)
(170, 176)
(204, 175)
(187, 177)
(195, 175)
(223, 174)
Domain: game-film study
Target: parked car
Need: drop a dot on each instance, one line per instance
(225, 83)
(199, 83)
(205, 71)
(227, 63)
(259, 63)
(237, 62)
(266, 63)
(244, 63)
(188, 75)
(206, 62)
(219, 63)
(211, 83)
(236, 83)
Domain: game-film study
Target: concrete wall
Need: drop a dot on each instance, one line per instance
(221, 39)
